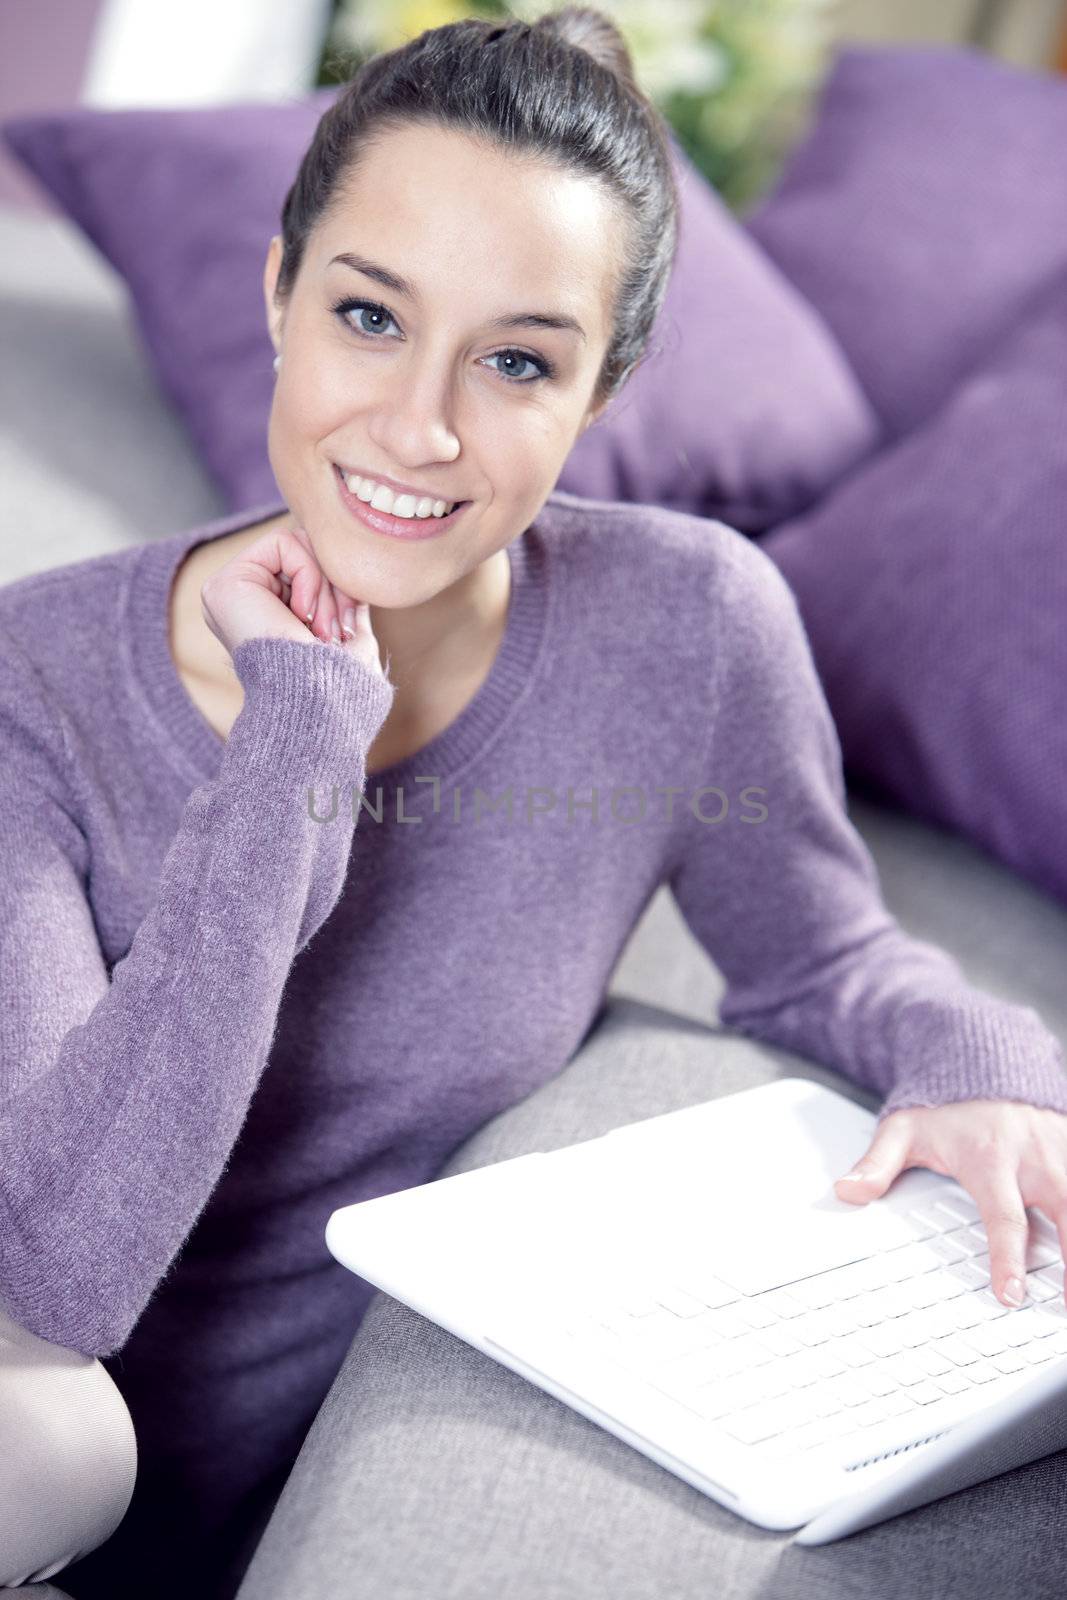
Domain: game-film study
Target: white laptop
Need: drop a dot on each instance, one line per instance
(693, 1284)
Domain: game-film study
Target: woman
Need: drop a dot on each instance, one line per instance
(231, 1008)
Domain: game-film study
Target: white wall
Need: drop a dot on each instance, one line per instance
(204, 52)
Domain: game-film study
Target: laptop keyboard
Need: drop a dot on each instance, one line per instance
(832, 1354)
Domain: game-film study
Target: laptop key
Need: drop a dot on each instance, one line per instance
(1039, 1288)
(782, 1303)
(926, 1393)
(884, 1341)
(965, 1314)
(711, 1401)
(826, 1362)
(855, 1350)
(933, 1289)
(960, 1210)
(1009, 1361)
(754, 1313)
(973, 1276)
(987, 1339)
(913, 1330)
(1042, 1253)
(1020, 1327)
(637, 1304)
(780, 1340)
(727, 1324)
(877, 1380)
(957, 1350)
(949, 1248)
(904, 1368)
(676, 1300)
(931, 1361)
(812, 1292)
(807, 1437)
(709, 1290)
(952, 1382)
(876, 1409)
(756, 1423)
(1038, 1352)
(924, 1224)
(899, 1401)
(812, 1329)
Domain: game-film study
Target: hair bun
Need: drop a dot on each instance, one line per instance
(585, 28)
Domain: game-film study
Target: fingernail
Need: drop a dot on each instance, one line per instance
(311, 615)
(350, 621)
(855, 1177)
(335, 630)
(1013, 1291)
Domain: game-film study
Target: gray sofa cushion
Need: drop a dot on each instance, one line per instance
(91, 458)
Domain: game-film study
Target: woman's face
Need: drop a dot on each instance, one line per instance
(422, 387)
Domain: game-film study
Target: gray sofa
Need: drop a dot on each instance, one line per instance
(91, 458)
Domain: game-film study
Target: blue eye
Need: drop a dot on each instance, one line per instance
(545, 368)
(345, 306)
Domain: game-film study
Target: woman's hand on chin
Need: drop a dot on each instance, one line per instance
(275, 588)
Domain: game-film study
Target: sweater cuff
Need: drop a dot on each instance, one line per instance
(311, 711)
(975, 1050)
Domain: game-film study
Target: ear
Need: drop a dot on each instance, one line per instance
(270, 278)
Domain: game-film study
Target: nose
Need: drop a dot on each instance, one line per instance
(411, 421)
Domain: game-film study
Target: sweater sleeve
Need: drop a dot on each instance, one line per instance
(789, 905)
(123, 1093)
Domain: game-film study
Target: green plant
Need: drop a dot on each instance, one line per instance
(734, 78)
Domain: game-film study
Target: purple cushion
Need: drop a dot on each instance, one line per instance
(747, 412)
(933, 586)
(923, 208)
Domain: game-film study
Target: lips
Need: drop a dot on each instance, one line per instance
(416, 494)
(384, 522)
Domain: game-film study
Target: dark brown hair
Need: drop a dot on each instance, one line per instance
(561, 88)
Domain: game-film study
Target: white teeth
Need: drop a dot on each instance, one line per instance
(400, 505)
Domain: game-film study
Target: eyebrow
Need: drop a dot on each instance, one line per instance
(398, 285)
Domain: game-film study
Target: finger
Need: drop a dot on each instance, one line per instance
(1007, 1227)
(1054, 1232)
(1060, 1224)
(1049, 1225)
(346, 612)
(887, 1154)
(326, 613)
(362, 631)
(298, 561)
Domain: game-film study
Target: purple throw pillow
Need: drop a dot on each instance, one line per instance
(745, 409)
(933, 587)
(925, 205)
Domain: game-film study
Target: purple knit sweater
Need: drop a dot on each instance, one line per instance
(224, 1016)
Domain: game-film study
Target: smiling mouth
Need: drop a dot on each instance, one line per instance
(456, 505)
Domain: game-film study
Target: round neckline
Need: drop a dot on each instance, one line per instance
(194, 746)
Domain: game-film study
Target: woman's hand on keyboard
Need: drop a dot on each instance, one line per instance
(1007, 1154)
